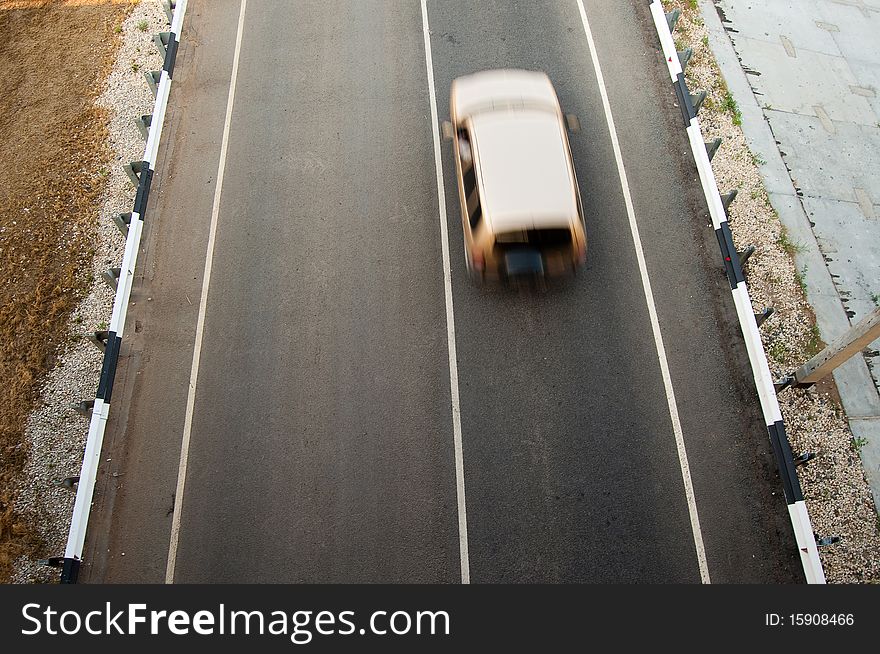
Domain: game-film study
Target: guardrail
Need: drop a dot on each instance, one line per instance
(122, 278)
(749, 322)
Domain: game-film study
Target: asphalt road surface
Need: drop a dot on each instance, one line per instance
(321, 441)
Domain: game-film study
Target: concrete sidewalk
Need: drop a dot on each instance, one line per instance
(806, 77)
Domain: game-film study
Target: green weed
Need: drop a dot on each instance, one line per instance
(814, 342)
(730, 105)
(789, 247)
(778, 352)
(801, 276)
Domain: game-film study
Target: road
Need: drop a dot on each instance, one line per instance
(321, 441)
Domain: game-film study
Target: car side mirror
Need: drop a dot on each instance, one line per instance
(446, 130)
(574, 125)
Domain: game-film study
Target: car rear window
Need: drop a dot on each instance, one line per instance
(538, 238)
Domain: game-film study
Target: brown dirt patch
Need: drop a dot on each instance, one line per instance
(54, 56)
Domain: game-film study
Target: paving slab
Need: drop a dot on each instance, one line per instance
(866, 430)
(845, 237)
(825, 164)
(773, 21)
(857, 31)
(800, 83)
(868, 77)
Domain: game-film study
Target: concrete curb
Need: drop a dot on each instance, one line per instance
(101, 409)
(797, 509)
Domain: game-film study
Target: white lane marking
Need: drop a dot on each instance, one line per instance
(652, 309)
(203, 304)
(450, 316)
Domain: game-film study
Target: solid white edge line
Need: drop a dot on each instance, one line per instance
(203, 304)
(450, 316)
(652, 310)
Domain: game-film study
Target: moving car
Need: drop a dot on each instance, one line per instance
(520, 205)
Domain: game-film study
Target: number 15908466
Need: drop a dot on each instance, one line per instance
(809, 619)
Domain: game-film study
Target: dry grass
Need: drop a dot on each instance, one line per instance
(54, 56)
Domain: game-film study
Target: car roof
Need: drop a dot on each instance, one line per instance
(524, 169)
(494, 89)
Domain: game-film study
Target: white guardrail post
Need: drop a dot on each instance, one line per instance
(88, 474)
(797, 509)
